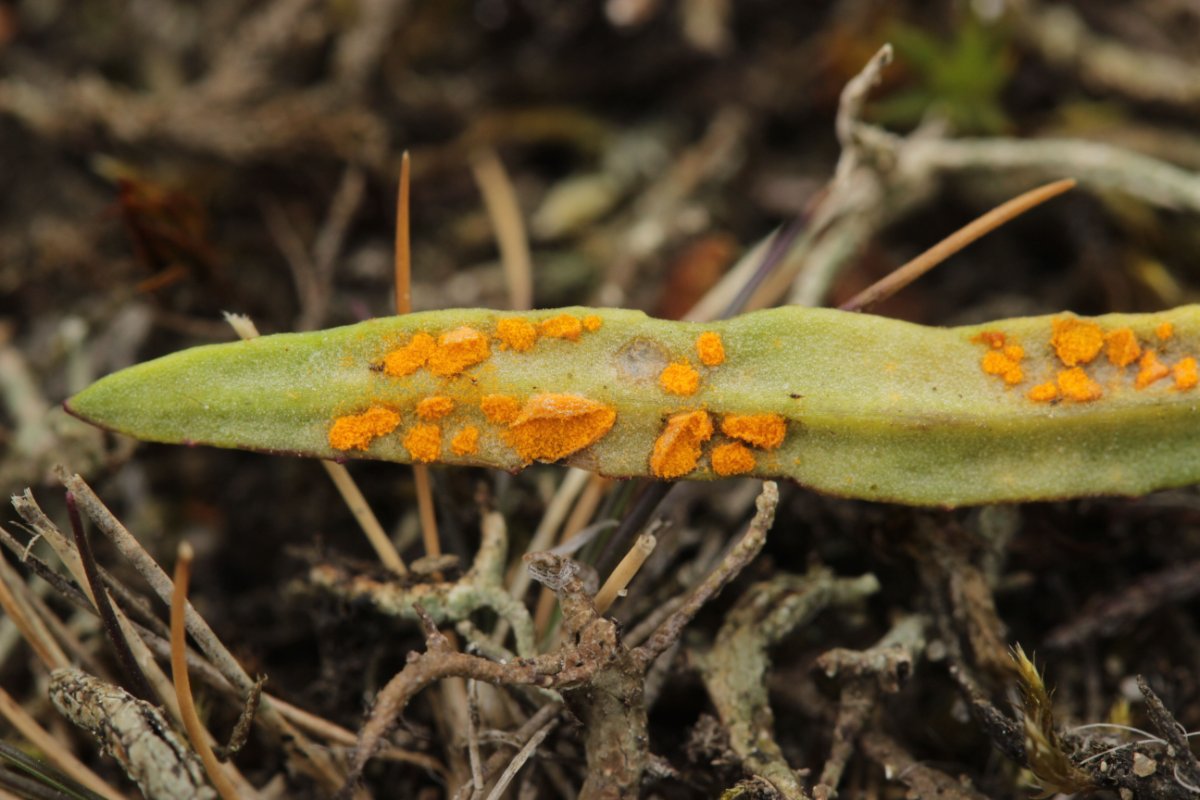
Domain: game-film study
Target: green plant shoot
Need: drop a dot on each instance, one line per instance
(849, 404)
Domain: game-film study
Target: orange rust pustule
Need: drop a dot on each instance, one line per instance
(1043, 393)
(679, 378)
(677, 449)
(357, 431)
(564, 326)
(710, 349)
(435, 407)
(1150, 370)
(1076, 341)
(500, 409)
(732, 458)
(553, 426)
(1121, 347)
(1075, 385)
(592, 323)
(765, 431)
(424, 442)
(457, 350)
(516, 334)
(411, 357)
(1185, 373)
(465, 442)
(1164, 331)
(1005, 363)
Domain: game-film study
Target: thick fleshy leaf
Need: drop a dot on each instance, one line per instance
(851, 404)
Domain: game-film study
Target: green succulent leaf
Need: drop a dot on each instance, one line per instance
(850, 404)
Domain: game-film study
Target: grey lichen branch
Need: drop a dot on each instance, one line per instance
(864, 675)
(734, 670)
(482, 587)
(921, 779)
(590, 645)
(134, 732)
(599, 678)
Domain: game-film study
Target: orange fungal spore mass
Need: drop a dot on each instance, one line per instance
(516, 334)
(564, 326)
(1075, 385)
(1164, 331)
(765, 431)
(457, 350)
(553, 426)
(465, 442)
(710, 349)
(1043, 393)
(679, 378)
(1121, 346)
(424, 442)
(1150, 369)
(732, 459)
(1005, 363)
(677, 449)
(357, 431)
(1076, 341)
(592, 323)
(500, 409)
(411, 357)
(1185, 373)
(435, 407)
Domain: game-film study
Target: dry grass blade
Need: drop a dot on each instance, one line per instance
(402, 267)
(903, 276)
(365, 517)
(183, 684)
(402, 260)
(500, 198)
(25, 617)
(623, 574)
(519, 760)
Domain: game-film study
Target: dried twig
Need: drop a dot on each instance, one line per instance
(1121, 607)
(112, 629)
(1175, 734)
(735, 561)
